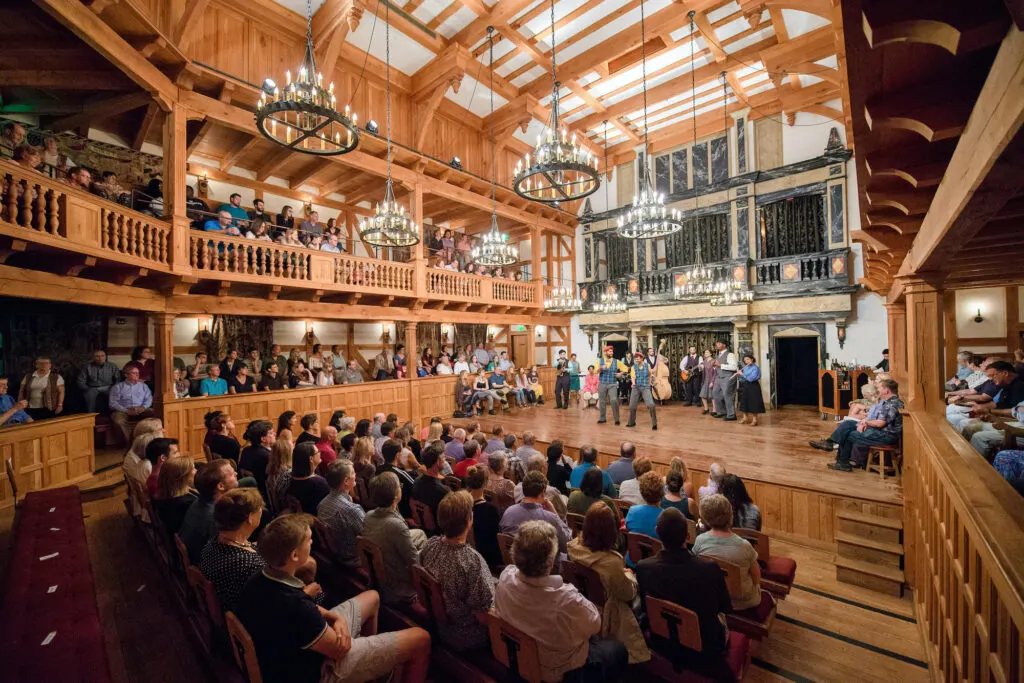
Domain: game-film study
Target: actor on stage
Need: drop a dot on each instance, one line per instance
(690, 369)
(751, 402)
(724, 392)
(641, 376)
(609, 370)
(562, 381)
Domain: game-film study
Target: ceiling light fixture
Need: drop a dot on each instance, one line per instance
(560, 170)
(648, 217)
(304, 116)
(494, 249)
(390, 224)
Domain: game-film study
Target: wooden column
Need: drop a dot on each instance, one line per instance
(535, 264)
(163, 375)
(924, 385)
(1012, 318)
(949, 329)
(419, 251)
(175, 163)
(897, 326)
(531, 345)
(410, 346)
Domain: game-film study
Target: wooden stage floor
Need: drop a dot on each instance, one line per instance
(773, 452)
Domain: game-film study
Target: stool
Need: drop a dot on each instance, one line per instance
(876, 459)
(104, 433)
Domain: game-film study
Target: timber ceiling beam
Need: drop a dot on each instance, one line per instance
(235, 154)
(190, 20)
(957, 27)
(93, 79)
(332, 23)
(102, 109)
(273, 163)
(198, 138)
(500, 13)
(149, 120)
(407, 24)
(987, 168)
(85, 24)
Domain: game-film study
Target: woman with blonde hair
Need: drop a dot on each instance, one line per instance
(434, 432)
(678, 466)
(721, 543)
(362, 458)
(135, 463)
(279, 473)
(174, 492)
(497, 463)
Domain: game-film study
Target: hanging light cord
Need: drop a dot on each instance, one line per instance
(693, 145)
(494, 201)
(387, 76)
(643, 71)
(554, 79)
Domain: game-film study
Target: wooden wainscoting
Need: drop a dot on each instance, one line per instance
(47, 453)
(965, 546)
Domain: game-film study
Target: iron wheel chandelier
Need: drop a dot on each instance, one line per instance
(494, 248)
(563, 300)
(699, 280)
(560, 170)
(648, 217)
(304, 116)
(610, 303)
(390, 225)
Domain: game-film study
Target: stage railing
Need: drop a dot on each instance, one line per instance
(46, 454)
(964, 543)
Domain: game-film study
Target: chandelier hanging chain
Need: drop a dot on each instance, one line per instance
(554, 77)
(494, 201)
(387, 76)
(643, 73)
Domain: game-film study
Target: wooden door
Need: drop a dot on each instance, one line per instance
(519, 350)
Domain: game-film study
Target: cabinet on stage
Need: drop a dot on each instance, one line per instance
(836, 388)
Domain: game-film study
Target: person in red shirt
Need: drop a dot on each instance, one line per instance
(326, 446)
(472, 449)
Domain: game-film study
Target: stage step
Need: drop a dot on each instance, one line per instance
(869, 575)
(854, 547)
(873, 527)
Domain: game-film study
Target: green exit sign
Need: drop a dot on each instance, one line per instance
(519, 328)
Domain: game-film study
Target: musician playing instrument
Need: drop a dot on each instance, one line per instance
(609, 370)
(589, 391)
(641, 376)
(661, 388)
(690, 369)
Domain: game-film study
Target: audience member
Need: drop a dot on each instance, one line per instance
(240, 382)
(342, 517)
(558, 471)
(535, 506)
(715, 474)
(390, 452)
(352, 374)
(96, 379)
(467, 586)
(721, 543)
(400, 546)
(255, 457)
(746, 515)
(279, 474)
(326, 445)
(643, 518)
(594, 548)
(622, 469)
(563, 622)
(590, 492)
(216, 478)
(588, 460)
(454, 448)
(44, 391)
(12, 137)
(310, 424)
(158, 451)
(222, 439)
(486, 517)
(883, 425)
(213, 385)
(174, 492)
(429, 488)
(287, 425)
(538, 463)
(297, 641)
(228, 559)
(678, 466)
(239, 216)
(12, 412)
(470, 450)
(496, 481)
(271, 379)
(307, 487)
(130, 401)
(696, 584)
(629, 490)
(674, 496)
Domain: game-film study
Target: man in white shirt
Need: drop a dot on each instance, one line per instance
(461, 365)
(724, 391)
(443, 368)
(331, 244)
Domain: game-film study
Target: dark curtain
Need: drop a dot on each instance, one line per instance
(793, 226)
(469, 333)
(240, 332)
(620, 256)
(713, 229)
(676, 345)
(428, 334)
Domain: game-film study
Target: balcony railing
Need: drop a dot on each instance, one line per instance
(823, 267)
(48, 212)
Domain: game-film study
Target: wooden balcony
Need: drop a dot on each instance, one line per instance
(77, 230)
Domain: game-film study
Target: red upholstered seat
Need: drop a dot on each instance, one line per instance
(779, 570)
(761, 612)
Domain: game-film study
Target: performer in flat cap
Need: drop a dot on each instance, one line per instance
(641, 376)
(609, 370)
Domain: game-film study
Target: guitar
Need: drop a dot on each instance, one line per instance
(662, 388)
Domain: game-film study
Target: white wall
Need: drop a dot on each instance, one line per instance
(992, 304)
(866, 332)
(808, 136)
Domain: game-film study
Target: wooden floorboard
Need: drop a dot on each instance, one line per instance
(774, 452)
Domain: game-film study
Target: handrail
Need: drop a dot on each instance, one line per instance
(966, 541)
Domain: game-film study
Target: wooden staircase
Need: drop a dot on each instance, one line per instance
(870, 551)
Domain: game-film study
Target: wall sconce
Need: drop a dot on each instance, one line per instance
(979, 318)
(590, 340)
(445, 333)
(307, 206)
(385, 332)
(311, 335)
(841, 333)
(540, 331)
(203, 184)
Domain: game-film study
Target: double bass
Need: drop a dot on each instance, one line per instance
(661, 387)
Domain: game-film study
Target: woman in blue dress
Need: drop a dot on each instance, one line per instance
(750, 403)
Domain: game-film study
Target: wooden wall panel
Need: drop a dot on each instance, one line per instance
(47, 454)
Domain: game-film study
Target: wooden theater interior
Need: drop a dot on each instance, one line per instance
(850, 172)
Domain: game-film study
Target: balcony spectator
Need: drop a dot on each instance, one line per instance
(285, 221)
(240, 382)
(234, 208)
(352, 374)
(312, 227)
(27, 157)
(258, 212)
(44, 391)
(130, 401)
(290, 238)
(259, 229)
(107, 187)
(197, 371)
(231, 363)
(223, 223)
(79, 177)
(213, 385)
(142, 358)
(271, 379)
(12, 412)
(96, 379)
(11, 138)
(300, 377)
(194, 207)
(182, 387)
(253, 362)
(401, 361)
(480, 354)
(337, 364)
(383, 366)
(330, 244)
(155, 197)
(443, 366)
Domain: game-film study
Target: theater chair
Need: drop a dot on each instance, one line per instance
(755, 622)
(677, 625)
(207, 619)
(373, 565)
(500, 501)
(641, 546)
(575, 523)
(513, 648)
(505, 545)
(363, 494)
(623, 506)
(453, 482)
(423, 516)
(330, 571)
(245, 651)
(777, 573)
(586, 580)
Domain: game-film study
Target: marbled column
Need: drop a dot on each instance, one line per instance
(742, 228)
(741, 145)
